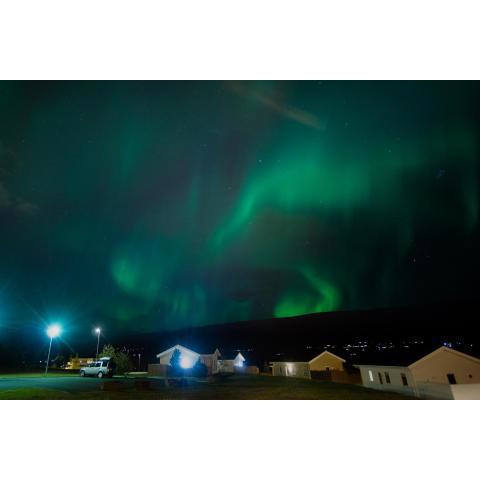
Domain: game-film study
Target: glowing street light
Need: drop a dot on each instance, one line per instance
(97, 331)
(52, 331)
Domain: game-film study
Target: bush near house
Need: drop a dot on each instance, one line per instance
(122, 359)
(199, 370)
(175, 368)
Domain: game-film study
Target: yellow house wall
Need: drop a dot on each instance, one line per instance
(436, 368)
(325, 361)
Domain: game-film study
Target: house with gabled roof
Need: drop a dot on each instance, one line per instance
(448, 366)
(229, 365)
(443, 373)
(324, 362)
(188, 358)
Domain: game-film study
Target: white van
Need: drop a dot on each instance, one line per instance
(103, 367)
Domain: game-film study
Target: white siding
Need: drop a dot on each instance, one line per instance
(391, 378)
(291, 369)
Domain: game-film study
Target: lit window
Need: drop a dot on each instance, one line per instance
(370, 375)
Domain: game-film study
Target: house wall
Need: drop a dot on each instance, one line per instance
(75, 363)
(326, 361)
(291, 369)
(437, 391)
(466, 392)
(227, 366)
(395, 374)
(436, 368)
(165, 359)
(211, 362)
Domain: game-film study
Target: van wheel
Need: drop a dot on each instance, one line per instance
(82, 373)
(100, 375)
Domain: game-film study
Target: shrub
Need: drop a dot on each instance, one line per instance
(175, 368)
(199, 369)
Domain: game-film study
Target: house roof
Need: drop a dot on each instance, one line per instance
(386, 367)
(285, 362)
(326, 352)
(444, 349)
(408, 360)
(189, 351)
(177, 347)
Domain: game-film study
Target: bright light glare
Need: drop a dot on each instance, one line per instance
(53, 331)
(186, 361)
(238, 363)
(97, 330)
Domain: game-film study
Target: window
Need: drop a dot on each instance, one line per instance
(370, 375)
(404, 380)
(380, 379)
(451, 378)
(104, 363)
(387, 377)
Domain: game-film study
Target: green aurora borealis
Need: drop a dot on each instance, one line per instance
(157, 205)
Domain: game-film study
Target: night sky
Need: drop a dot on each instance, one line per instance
(150, 206)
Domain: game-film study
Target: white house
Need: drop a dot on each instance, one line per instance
(388, 377)
(188, 358)
(291, 369)
(229, 366)
(212, 361)
(325, 361)
(444, 373)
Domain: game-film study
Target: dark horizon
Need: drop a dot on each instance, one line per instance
(264, 340)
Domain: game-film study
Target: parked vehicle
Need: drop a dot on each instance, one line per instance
(103, 367)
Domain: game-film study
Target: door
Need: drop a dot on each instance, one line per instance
(89, 369)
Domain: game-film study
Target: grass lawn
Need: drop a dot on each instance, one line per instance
(34, 375)
(239, 387)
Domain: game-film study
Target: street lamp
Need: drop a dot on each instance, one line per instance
(97, 331)
(52, 331)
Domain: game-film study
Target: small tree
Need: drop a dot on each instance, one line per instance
(175, 363)
(123, 361)
(107, 351)
(59, 361)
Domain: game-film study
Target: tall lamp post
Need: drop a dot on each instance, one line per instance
(97, 331)
(52, 331)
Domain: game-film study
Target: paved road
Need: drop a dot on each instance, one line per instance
(73, 384)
